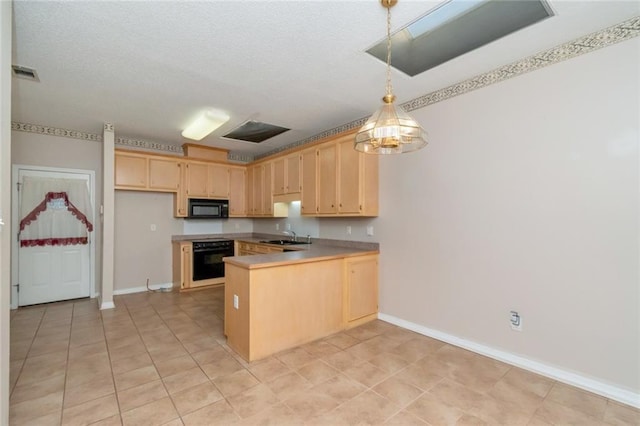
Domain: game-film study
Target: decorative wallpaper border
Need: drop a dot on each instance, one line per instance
(612, 35)
(589, 43)
(145, 144)
(55, 131)
(623, 31)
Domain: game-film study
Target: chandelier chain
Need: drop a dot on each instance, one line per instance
(389, 87)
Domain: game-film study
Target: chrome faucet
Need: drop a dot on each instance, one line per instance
(293, 235)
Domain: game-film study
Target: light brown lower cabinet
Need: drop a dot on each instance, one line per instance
(244, 248)
(361, 289)
(274, 308)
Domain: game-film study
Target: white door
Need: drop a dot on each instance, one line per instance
(52, 273)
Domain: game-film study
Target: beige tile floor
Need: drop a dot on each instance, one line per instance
(161, 359)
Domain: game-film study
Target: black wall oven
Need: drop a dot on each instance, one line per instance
(207, 258)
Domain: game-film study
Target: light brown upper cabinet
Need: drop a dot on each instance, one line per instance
(197, 180)
(339, 181)
(280, 176)
(357, 182)
(286, 174)
(207, 180)
(267, 188)
(256, 173)
(309, 178)
(237, 191)
(180, 199)
(146, 172)
(327, 179)
(130, 171)
(219, 181)
(260, 193)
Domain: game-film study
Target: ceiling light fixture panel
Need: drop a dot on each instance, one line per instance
(204, 124)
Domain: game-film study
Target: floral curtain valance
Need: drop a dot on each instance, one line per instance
(54, 212)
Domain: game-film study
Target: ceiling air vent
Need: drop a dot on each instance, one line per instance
(255, 131)
(455, 28)
(25, 72)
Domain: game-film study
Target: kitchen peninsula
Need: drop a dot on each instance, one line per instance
(279, 300)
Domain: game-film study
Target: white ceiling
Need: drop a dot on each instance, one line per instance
(149, 67)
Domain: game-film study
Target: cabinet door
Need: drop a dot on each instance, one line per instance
(309, 203)
(197, 176)
(257, 190)
(362, 286)
(327, 179)
(164, 174)
(180, 199)
(218, 181)
(237, 192)
(293, 173)
(187, 265)
(279, 176)
(267, 188)
(249, 189)
(349, 173)
(130, 171)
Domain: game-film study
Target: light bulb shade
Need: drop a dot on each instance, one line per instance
(206, 123)
(390, 130)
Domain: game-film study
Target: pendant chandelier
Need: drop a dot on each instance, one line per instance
(390, 130)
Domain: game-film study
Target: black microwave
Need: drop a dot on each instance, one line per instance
(200, 208)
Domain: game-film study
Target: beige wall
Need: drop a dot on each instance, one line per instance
(141, 253)
(526, 198)
(5, 204)
(33, 149)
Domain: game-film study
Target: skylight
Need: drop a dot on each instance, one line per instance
(455, 28)
(255, 131)
(441, 15)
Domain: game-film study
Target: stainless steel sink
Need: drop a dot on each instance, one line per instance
(284, 242)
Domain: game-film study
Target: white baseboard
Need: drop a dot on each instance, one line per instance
(618, 394)
(141, 289)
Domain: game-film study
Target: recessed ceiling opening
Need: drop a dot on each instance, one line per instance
(455, 28)
(25, 73)
(255, 131)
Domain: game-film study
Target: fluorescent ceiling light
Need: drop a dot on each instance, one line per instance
(441, 15)
(206, 123)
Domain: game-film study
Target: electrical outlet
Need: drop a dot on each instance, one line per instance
(236, 301)
(277, 226)
(288, 227)
(370, 231)
(153, 226)
(516, 321)
(348, 230)
(237, 225)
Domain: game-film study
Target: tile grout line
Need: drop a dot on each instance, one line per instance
(113, 377)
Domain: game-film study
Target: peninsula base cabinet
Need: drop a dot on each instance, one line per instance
(274, 308)
(361, 290)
